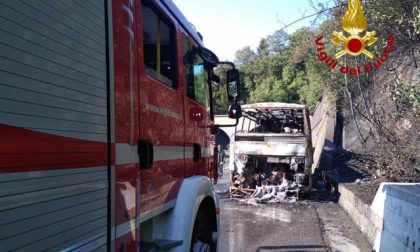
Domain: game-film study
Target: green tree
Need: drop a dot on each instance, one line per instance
(277, 42)
(285, 68)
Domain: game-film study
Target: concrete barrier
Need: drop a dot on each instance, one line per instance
(361, 213)
(323, 123)
(398, 204)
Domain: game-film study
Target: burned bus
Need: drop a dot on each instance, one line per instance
(271, 152)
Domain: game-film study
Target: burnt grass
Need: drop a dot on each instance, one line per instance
(361, 173)
(353, 170)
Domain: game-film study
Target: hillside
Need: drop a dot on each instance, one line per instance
(377, 99)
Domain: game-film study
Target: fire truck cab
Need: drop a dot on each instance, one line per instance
(107, 135)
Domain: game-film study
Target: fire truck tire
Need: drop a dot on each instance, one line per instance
(202, 236)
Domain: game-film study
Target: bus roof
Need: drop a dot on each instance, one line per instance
(273, 105)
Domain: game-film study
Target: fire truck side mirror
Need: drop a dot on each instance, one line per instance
(232, 77)
(208, 56)
(235, 111)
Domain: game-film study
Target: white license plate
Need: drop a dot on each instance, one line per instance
(273, 160)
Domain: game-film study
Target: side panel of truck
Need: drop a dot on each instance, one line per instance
(53, 125)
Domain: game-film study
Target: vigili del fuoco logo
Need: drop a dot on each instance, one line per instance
(355, 41)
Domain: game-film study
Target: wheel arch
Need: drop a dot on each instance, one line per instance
(196, 193)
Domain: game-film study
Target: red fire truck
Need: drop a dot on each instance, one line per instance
(106, 128)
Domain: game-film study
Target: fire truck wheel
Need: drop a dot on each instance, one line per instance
(202, 237)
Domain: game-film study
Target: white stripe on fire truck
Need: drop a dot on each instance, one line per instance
(189, 152)
(127, 154)
(155, 211)
(163, 153)
(206, 152)
(125, 228)
(132, 224)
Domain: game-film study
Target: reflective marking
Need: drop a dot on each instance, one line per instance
(207, 152)
(132, 224)
(189, 152)
(126, 154)
(125, 228)
(155, 211)
(162, 153)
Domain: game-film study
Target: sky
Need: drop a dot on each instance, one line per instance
(229, 25)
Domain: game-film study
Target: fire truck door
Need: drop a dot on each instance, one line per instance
(198, 115)
(161, 140)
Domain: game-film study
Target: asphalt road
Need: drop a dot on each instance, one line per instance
(302, 226)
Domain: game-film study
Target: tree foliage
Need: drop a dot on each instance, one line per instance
(274, 72)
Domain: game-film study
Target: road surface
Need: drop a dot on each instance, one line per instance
(301, 226)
